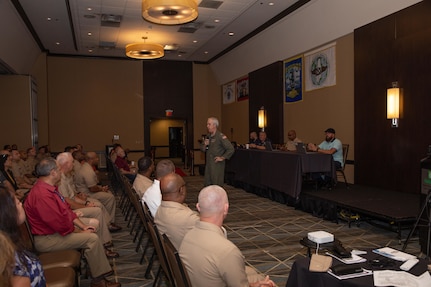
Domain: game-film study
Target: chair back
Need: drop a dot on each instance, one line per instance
(178, 269)
(158, 244)
(345, 153)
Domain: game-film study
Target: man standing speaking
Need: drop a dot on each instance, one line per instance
(218, 148)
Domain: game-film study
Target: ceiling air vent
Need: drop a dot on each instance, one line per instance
(189, 27)
(211, 4)
(109, 20)
(106, 45)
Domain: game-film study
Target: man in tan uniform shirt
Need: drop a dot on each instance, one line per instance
(212, 260)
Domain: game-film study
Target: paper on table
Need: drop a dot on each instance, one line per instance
(394, 254)
(401, 279)
(349, 260)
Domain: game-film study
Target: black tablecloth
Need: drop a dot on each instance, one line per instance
(279, 170)
(300, 276)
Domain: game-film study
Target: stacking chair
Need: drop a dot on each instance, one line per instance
(340, 172)
(179, 272)
(159, 250)
(59, 266)
(60, 277)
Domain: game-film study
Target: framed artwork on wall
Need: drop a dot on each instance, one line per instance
(242, 89)
(320, 68)
(293, 80)
(229, 90)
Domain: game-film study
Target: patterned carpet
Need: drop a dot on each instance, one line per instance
(267, 233)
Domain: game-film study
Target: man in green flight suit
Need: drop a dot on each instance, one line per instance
(218, 148)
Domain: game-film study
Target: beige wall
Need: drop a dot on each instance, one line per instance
(90, 100)
(15, 125)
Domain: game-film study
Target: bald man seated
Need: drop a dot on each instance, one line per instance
(210, 258)
(173, 217)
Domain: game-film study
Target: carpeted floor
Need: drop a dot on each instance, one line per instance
(267, 233)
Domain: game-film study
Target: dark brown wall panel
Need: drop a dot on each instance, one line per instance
(168, 85)
(395, 48)
(266, 89)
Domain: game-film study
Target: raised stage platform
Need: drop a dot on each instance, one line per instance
(388, 209)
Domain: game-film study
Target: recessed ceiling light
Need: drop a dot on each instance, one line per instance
(49, 19)
(90, 50)
(231, 33)
(89, 33)
(195, 41)
(89, 9)
(216, 20)
(57, 43)
(206, 52)
(271, 3)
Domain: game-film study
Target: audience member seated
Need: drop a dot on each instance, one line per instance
(86, 182)
(253, 138)
(173, 217)
(43, 152)
(88, 209)
(26, 267)
(143, 178)
(19, 170)
(210, 258)
(262, 142)
(292, 141)
(123, 165)
(31, 161)
(153, 196)
(5, 169)
(7, 260)
(53, 224)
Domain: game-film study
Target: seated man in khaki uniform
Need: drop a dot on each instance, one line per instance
(212, 260)
(173, 218)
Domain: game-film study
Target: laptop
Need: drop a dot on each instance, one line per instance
(302, 148)
(268, 146)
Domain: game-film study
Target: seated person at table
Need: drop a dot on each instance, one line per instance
(330, 145)
(333, 146)
(262, 142)
(292, 141)
(210, 258)
(253, 138)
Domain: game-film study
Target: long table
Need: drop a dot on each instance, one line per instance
(300, 276)
(281, 171)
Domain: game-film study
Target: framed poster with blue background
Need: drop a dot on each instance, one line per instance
(293, 80)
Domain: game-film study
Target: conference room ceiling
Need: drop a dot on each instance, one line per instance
(102, 28)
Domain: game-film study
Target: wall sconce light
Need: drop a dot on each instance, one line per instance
(394, 104)
(169, 12)
(261, 118)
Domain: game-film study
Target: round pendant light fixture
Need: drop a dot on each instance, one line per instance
(144, 51)
(169, 12)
